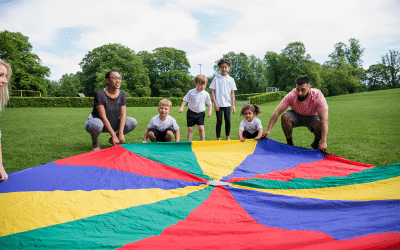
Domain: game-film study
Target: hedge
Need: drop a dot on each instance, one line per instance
(245, 97)
(87, 102)
(267, 97)
(83, 102)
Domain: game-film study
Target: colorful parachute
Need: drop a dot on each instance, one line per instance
(202, 195)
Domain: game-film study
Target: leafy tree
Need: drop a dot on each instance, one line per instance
(168, 71)
(53, 88)
(339, 80)
(283, 69)
(272, 72)
(259, 69)
(100, 60)
(390, 68)
(248, 72)
(344, 60)
(28, 73)
(69, 85)
(373, 78)
(350, 54)
(240, 71)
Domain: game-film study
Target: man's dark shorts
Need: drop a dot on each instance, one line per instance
(302, 120)
(194, 118)
(160, 135)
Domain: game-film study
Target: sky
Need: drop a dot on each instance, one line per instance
(62, 32)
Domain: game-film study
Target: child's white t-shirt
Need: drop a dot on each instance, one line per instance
(252, 126)
(197, 100)
(169, 122)
(223, 87)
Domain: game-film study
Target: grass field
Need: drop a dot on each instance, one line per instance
(363, 127)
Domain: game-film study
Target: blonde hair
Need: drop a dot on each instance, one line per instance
(201, 79)
(4, 92)
(165, 102)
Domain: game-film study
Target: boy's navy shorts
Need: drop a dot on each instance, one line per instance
(194, 118)
(160, 135)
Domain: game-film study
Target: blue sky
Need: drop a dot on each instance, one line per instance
(62, 32)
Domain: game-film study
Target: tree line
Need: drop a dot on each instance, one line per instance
(165, 71)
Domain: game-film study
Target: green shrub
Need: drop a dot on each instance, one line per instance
(40, 102)
(245, 97)
(267, 97)
(83, 102)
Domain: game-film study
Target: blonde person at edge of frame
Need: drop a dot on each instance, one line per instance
(197, 99)
(223, 96)
(5, 75)
(109, 113)
(162, 127)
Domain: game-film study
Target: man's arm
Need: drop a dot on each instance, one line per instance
(323, 116)
(278, 111)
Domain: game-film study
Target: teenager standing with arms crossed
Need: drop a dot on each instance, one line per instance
(223, 96)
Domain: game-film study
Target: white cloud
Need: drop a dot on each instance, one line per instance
(252, 27)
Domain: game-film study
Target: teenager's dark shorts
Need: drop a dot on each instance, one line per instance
(302, 120)
(249, 135)
(194, 118)
(160, 135)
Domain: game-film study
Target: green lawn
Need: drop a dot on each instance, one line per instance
(362, 127)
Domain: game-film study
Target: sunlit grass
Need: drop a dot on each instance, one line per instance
(362, 127)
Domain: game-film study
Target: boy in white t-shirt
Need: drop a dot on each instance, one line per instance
(162, 127)
(197, 98)
(223, 96)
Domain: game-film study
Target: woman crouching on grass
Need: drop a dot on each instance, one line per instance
(109, 113)
(5, 75)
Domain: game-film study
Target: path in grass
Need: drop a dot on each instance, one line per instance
(363, 127)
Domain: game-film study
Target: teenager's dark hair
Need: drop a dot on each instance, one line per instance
(109, 72)
(224, 60)
(254, 108)
(302, 80)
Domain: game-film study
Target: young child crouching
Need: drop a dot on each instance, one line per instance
(251, 126)
(162, 127)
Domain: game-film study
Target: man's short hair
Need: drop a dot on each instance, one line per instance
(224, 60)
(302, 80)
(165, 102)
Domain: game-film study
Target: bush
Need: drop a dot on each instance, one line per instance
(267, 97)
(245, 97)
(36, 102)
(83, 102)
(151, 101)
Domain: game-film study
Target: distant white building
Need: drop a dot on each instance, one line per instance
(272, 89)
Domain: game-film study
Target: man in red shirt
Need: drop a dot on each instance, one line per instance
(309, 109)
